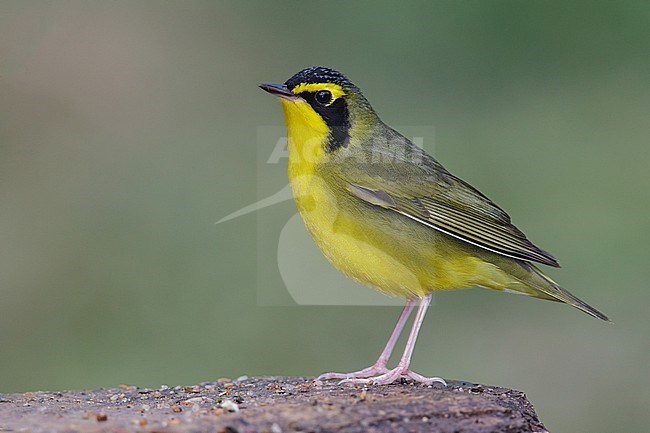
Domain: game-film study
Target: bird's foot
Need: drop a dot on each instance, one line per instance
(377, 369)
(391, 376)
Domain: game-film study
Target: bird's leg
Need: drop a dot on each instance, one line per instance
(402, 369)
(380, 366)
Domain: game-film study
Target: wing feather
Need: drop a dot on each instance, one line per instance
(466, 214)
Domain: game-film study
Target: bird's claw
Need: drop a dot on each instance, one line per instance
(373, 370)
(390, 376)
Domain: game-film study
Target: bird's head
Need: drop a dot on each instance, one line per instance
(324, 101)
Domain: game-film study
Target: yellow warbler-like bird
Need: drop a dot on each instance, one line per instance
(390, 216)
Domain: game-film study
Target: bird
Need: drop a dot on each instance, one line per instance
(390, 216)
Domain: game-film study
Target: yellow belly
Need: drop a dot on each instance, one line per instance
(388, 252)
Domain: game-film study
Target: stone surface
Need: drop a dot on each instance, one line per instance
(274, 405)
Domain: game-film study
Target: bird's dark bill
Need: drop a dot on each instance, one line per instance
(279, 90)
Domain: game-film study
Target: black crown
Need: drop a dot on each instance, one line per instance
(318, 74)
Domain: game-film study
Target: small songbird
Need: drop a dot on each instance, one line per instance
(390, 216)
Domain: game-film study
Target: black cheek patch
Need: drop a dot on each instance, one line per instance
(337, 118)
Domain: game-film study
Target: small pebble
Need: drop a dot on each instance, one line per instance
(229, 405)
(192, 400)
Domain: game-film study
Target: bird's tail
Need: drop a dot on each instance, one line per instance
(544, 287)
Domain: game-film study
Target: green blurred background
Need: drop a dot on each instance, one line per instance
(128, 128)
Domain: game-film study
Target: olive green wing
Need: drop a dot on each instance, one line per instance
(450, 205)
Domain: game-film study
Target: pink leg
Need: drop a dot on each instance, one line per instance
(402, 369)
(380, 366)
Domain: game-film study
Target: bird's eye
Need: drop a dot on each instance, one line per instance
(323, 97)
